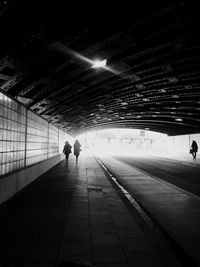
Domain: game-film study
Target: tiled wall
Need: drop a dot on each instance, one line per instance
(62, 138)
(37, 139)
(53, 147)
(25, 138)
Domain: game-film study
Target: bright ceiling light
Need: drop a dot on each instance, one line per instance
(99, 63)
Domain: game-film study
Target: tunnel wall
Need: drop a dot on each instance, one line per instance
(13, 183)
(29, 146)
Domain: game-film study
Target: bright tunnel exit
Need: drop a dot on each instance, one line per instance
(125, 142)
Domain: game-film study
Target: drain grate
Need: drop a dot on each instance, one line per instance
(94, 189)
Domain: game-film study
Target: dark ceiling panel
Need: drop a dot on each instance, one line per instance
(153, 62)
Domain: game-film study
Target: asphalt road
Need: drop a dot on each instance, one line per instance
(174, 211)
(183, 175)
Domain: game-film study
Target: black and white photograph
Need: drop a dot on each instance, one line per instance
(99, 133)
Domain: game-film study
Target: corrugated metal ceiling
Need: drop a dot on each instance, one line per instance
(153, 58)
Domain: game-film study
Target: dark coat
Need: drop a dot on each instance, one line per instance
(67, 149)
(77, 148)
(194, 146)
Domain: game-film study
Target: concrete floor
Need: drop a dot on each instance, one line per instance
(73, 213)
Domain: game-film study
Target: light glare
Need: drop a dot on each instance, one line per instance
(99, 64)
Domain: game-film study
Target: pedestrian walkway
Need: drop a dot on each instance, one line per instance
(73, 214)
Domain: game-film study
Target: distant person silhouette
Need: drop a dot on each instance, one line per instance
(194, 147)
(77, 149)
(67, 149)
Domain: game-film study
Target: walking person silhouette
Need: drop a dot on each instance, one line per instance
(194, 147)
(67, 149)
(77, 149)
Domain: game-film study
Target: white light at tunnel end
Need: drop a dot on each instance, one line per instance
(125, 142)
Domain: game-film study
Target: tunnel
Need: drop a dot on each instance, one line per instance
(122, 78)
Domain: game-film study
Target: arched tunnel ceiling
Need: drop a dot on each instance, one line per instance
(152, 79)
